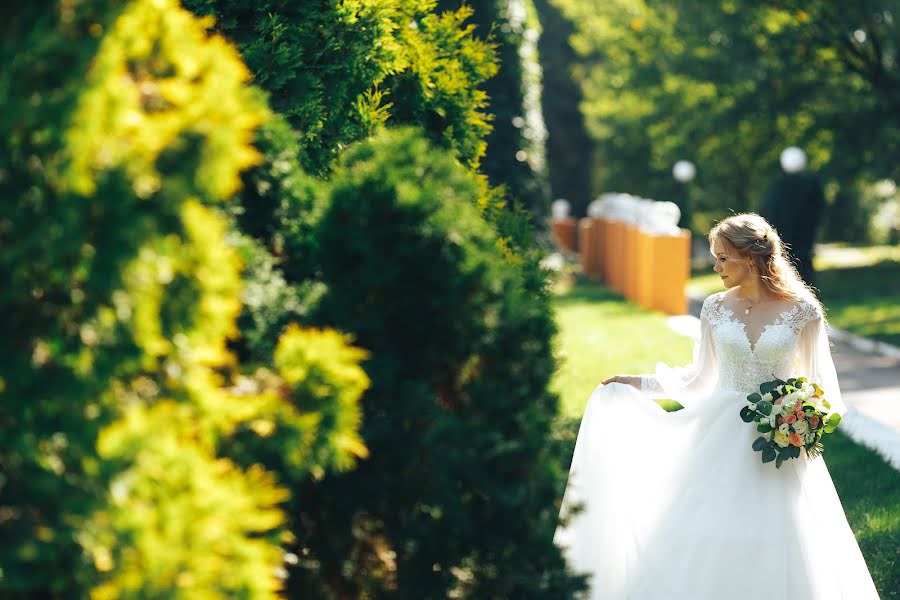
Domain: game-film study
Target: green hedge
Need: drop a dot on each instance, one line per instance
(338, 71)
(119, 290)
(458, 493)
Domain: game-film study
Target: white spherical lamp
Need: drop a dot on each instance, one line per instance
(793, 160)
(684, 171)
(560, 209)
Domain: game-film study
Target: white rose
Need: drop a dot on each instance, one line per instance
(767, 397)
(784, 428)
(790, 399)
(752, 406)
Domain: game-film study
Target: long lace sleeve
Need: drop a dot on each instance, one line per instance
(690, 382)
(813, 360)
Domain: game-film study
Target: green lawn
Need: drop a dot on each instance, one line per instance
(864, 300)
(830, 256)
(859, 286)
(600, 334)
(704, 281)
(869, 489)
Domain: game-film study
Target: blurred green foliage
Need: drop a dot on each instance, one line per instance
(569, 147)
(516, 146)
(127, 123)
(179, 416)
(728, 85)
(459, 488)
(337, 71)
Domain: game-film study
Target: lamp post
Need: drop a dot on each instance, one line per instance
(684, 172)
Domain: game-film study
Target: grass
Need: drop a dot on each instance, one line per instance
(830, 256)
(869, 489)
(864, 300)
(600, 334)
(859, 286)
(704, 281)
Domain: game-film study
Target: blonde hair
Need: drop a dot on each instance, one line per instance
(755, 240)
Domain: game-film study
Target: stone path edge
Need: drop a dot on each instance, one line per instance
(864, 344)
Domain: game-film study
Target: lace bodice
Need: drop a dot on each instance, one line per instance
(738, 354)
(743, 365)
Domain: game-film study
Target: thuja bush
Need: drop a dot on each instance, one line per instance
(515, 156)
(121, 408)
(275, 215)
(457, 494)
(339, 70)
(280, 203)
(335, 73)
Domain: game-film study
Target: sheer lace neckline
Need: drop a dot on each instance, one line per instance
(789, 312)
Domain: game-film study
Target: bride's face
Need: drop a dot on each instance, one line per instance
(731, 268)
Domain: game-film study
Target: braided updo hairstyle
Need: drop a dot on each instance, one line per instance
(754, 240)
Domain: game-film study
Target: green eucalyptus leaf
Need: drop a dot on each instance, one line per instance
(747, 414)
(760, 444)
(768, 387)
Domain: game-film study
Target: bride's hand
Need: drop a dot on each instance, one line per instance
(632, 380)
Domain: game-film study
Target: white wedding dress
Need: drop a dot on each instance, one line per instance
(677, 506)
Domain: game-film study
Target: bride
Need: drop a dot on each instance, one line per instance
(677, 506)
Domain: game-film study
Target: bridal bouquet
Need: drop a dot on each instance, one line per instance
(790, 414)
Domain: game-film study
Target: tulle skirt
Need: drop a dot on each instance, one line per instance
(677, 506)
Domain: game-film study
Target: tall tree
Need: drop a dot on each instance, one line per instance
(729, 85)
(569, 147)
(516, 146)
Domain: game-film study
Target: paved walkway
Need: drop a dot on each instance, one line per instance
(869, 382)
(870, 385)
